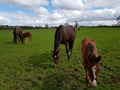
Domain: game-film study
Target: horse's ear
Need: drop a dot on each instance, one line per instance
(93, 58)
(98, 59)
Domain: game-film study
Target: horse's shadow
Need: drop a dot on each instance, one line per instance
(9, 42)
(43, 60)
(62, 80)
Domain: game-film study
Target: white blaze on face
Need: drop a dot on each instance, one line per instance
(94, 82)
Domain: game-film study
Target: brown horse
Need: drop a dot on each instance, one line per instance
(63, 35)
(17, 34)
(25, 35)
(91, 61)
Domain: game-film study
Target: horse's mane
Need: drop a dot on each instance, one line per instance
(57, 35)
(68, 26)
(72, 28)
(90, 47)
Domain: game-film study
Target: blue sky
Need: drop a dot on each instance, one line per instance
(56, 12)
(15, 8)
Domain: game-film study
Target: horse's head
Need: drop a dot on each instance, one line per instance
(56, 57)
(93, 70)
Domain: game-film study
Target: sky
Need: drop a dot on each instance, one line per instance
(56, 12)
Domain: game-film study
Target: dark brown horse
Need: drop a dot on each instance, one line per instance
(17, 34)
(64, 35)
(25, 35)
(91, 61)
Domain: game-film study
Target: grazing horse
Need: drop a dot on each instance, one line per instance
(63, 35)
(91, 61)
(17, 34)
(25, 35)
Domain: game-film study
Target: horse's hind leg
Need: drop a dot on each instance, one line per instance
(70, 48)
(67, 51)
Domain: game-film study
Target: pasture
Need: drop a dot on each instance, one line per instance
(30, 67)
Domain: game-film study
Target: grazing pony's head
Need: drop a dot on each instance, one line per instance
(25, 35)
(91, 61)
(56, 57)
(93, 69)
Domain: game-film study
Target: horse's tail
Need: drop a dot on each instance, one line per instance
(30, 37)
(14, 28)
(14, 35)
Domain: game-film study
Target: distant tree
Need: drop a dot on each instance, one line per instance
(76, 24)
(118, 20)
(46, 25)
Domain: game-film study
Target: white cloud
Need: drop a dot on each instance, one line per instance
(105, 14)
(51, 18)
(68, 4)
(15, 18)
(4, 20)
(86, 12)
(42, 12)
(88, 4)
(57, 17)
(96, 23)
(31, 3)
(95, 11)
(25, 3)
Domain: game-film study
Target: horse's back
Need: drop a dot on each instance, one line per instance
(17, 30)
(27, 34)
(86, 41)
(65, 29)
(88, 46)
(69, 29)
(66, 33)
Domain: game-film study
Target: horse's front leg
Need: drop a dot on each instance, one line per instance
(15, 39)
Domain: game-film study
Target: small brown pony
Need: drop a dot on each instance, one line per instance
(91, 61)
(25, 35)
(63, 35)
(17, 34)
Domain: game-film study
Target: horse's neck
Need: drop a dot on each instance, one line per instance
(57, 44)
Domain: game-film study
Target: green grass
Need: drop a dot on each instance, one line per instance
(30, 67)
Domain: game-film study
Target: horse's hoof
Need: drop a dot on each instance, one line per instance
(56, 65)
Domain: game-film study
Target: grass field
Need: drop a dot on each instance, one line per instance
(30, 67)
